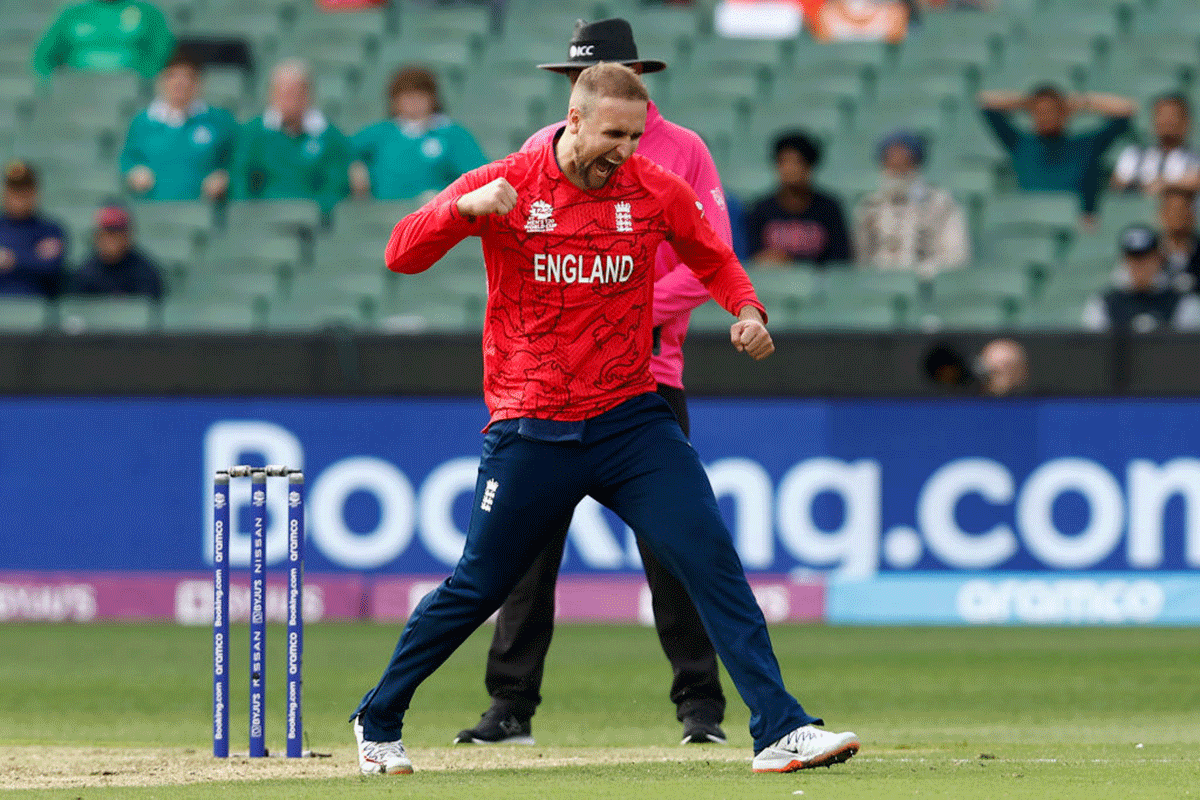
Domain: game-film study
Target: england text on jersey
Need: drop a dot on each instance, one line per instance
(581, 268)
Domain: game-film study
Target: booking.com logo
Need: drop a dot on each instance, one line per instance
(768, 518)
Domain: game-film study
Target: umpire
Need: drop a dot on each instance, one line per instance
(525, 624)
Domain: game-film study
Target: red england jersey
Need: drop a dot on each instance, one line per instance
(570, 276)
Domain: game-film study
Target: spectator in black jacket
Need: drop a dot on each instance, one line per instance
(32, 247)
(798, 222)
(1181, 241)
(115, 266)
(1144, 298)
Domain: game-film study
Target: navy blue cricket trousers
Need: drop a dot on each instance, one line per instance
(635, 460)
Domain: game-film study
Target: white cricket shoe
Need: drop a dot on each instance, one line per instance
(376, 758)
(804, 748)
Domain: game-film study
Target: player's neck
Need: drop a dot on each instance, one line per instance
(563, 153)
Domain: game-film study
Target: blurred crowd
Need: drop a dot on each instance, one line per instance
(181, 148)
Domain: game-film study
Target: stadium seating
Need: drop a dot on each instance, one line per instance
(261, 264)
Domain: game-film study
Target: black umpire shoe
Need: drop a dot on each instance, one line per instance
(702, 728)
(498, 726)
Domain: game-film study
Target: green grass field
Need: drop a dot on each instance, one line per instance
(942, 712)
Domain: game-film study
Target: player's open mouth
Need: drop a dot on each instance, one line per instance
(604, 166)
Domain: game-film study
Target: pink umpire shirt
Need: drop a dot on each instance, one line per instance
(677, 290)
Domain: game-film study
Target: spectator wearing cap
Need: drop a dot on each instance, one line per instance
(116, 266)
(1181, 240)
(797, 222)
(106, 36)
(179, 148)
(291, 151)
(1169, 161)
(32, 247)
(909, 224)
(1048, 158)
(418, 149)
(1144, 298)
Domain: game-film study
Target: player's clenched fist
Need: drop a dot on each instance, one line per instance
(497, 197)
(750, 336)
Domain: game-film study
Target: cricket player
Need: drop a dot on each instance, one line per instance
(570, 231)
(517, 658)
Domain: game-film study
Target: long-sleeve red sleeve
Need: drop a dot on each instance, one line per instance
(713, 261)
(427, 234)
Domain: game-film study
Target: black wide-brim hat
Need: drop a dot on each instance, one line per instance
(603, 40)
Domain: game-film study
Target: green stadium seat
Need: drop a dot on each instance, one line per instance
(844, 92)
(1006, 283)
(452, 61)
(371, 219)
(107, 315)
(825, 122)
(714, 91)
(354, 282)
(525, 99)
(421, 312)
(852, 183)
(24, 314)
(51, 150)
(466, 287)
(1056, 213)
(307, 315)
(1094, 21)
(206, 282)
(200, 315)
(1118, 210)
(1027, 66)
(784, 290)
(242, 265)
(76, 89)
(1060, 315)
(193, 219)
(710, 316)
(273, 215)
(1090, 247)
(421, 26)
(720, 126)
(465, 257)
(880, 315)
(839, 283)
(168, 249)
(230, 88)
(17, 91)
(968, 315)
(78, 184)
(750, 181)
(759, 58)
(263, 29)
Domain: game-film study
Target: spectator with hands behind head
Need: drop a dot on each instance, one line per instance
(1048, 158)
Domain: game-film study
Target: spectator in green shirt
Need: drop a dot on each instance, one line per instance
(105, 36)
(418, 149)
(179, 148)
(291, 151)
(1048, 158)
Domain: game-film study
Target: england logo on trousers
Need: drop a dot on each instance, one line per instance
(489, 494)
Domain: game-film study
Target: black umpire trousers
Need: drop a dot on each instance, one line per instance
(525, 624)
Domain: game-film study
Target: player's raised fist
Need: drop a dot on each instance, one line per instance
(497, 197)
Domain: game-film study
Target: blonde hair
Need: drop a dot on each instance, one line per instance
(607, 79)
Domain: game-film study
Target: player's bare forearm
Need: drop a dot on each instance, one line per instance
(750, 335)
